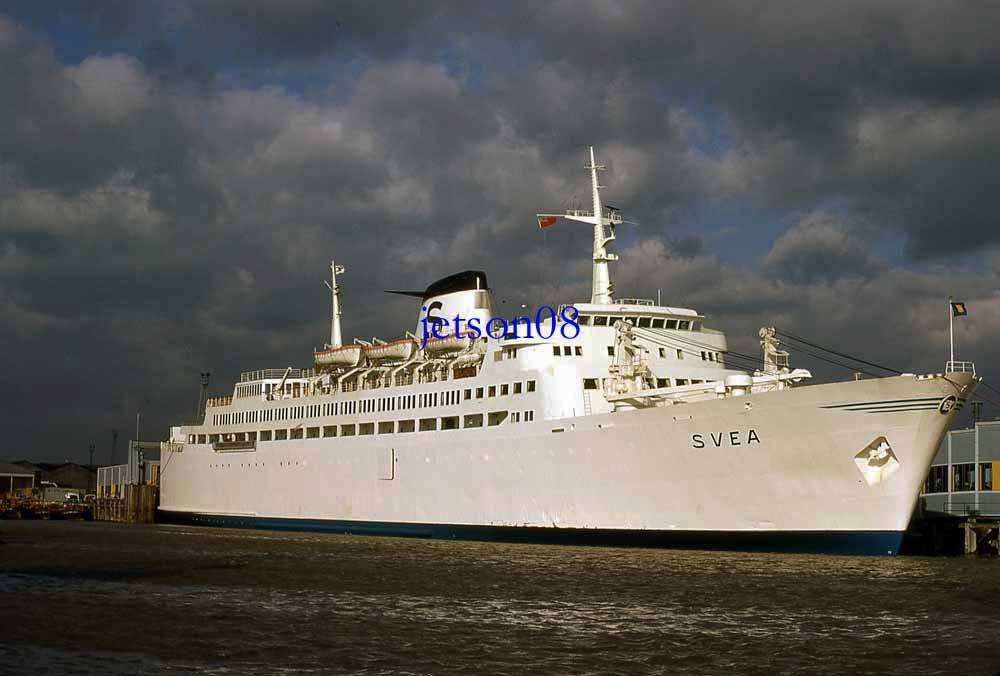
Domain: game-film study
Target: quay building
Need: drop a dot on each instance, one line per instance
(963, 479)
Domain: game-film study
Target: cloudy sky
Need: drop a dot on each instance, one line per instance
(175, 177)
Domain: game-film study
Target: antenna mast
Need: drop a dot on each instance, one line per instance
(335, 338)
(604, 220)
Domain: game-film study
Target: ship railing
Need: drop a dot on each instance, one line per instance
(960, 367)
(633, 301)
(275, 374)
(219, 401)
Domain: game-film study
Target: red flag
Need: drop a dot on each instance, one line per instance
(546, 221)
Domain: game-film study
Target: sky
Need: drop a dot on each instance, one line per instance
(176, 177)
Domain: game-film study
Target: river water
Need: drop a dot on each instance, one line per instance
(95, 598)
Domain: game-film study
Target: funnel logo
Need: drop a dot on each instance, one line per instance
(947, 404)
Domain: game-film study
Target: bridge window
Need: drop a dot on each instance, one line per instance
(496, 417)
(280, 435)
(297, 433)
(657, 324)
(473, 420)
(683, 325)
(265, 435)
(663, 382)
(671, 323)
(386, 427)
(644, 322)
(312, 433)
(428, 424)
(600, 321)
(590, 383)
(329, 430)
(406, 426)
(348, 430)
(364, 429)
(450, 422)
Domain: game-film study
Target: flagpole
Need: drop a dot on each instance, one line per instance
(951, 328)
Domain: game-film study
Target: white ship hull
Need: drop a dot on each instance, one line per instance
(774, 470)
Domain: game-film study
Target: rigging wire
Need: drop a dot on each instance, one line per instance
(839, 354)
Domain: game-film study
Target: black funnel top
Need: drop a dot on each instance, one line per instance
(468, 280)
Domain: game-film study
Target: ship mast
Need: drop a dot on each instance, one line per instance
(604, 221)
(335, 338)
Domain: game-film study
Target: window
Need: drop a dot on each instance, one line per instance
(578, 351)
(644, 322)
(964, 477)
(682, 381)
(450, 422)
(495, 418)
(680, 354)
(428, 424)
(986, 476)
(663, 382)
(567, 350)
(584, 320)
(348, 430)
(671, 323)
(492, 391)
(657, 324)
(330, 431)
(504, 390)
(704, 356)
(265, 435)
(201, 438)
(467, 394)
(280, 435)
(696, 326)
(683, 325)
(663, 353)
(479, 393)
(555, 350)
(529, 416)
(406, 426)
(386, 427)
(296, 433)
(531, 386)
(590, 383)
(515, 417)
(600, 321)
(937, 480)
(473, 420)
(611, 350)
(312, 433)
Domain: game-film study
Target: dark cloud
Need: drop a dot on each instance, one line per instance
(175, 177)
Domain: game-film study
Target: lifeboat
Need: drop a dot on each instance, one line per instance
(348, 355)
(447, 344)
(398, 350)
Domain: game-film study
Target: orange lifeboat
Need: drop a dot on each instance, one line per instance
(348, 355)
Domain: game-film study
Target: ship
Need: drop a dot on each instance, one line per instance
(617, 421)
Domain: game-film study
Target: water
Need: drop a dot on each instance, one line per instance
(88, 598)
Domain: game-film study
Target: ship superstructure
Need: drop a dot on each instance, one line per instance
(628, 427)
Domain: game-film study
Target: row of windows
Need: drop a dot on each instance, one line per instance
(705, 356)
(454, 422)
(373, 404)
(567, 351)
(595, 383)
(963, 478)
(644, 322)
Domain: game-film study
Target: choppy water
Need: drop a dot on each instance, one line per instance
(82, 598)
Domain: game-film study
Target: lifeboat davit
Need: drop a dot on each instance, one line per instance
(348, 355)
(398, 350)
(448, 344)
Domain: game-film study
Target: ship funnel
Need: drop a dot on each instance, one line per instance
(464, 295)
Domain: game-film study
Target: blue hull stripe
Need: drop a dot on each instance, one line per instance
(867, 543)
